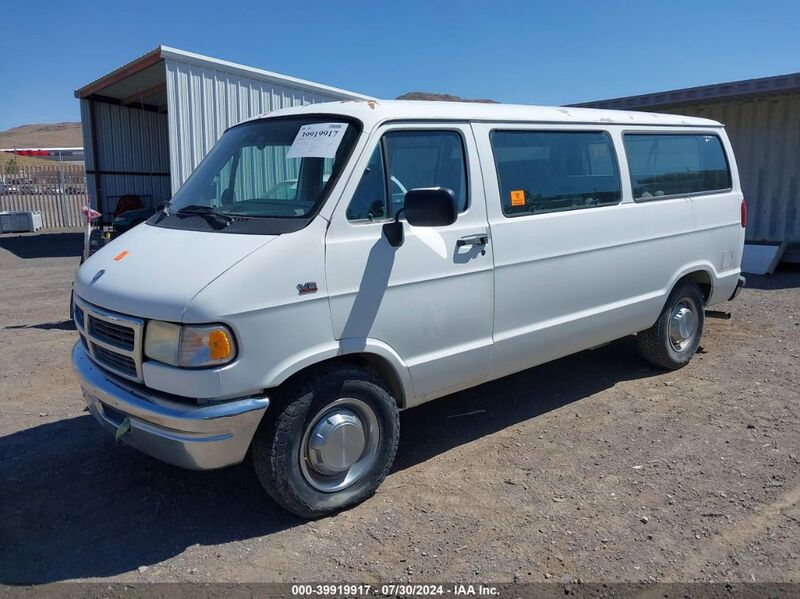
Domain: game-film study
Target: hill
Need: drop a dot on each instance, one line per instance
(441, 98)
(44, 135)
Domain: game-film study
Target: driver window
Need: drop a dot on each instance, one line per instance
(413, 159)
(426, 159)
(369, 200)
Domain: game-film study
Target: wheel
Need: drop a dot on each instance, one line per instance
(672, 341)
(329, 443)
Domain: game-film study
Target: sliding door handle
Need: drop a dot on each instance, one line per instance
(480, 239)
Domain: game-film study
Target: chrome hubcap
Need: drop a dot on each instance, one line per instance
(337, 442)
(682, 325)
(339, 445)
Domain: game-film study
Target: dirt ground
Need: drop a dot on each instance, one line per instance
(594, 467)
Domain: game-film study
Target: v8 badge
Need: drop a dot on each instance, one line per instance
(306, 288)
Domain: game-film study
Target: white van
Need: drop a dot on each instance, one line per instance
(418, 248)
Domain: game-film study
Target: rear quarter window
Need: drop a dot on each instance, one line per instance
(668, 164)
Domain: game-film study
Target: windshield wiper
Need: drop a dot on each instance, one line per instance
(204, 211)
(196, 209)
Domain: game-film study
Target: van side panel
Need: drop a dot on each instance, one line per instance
(567, 281)
(718, 220)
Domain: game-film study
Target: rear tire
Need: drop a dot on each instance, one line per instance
(672, 341)
(329, 442)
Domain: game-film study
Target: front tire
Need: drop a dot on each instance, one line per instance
(672, 341)
(329, 443)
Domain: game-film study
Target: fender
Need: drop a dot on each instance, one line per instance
(314, 355)
(699, 265)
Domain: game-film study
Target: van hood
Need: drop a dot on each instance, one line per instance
(154, 272)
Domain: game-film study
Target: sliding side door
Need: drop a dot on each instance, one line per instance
(564, 232)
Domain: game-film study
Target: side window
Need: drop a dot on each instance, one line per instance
(426, 159)
(369, 201)
(551, 171)
(413, 159)
(675, 164)
(601, 159)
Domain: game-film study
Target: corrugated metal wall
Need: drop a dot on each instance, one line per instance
(203, 102)
(765, 135)
(130, 141)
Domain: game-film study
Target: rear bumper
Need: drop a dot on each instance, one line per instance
(739, 284)
(190, 436)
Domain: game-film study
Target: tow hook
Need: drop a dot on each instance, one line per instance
(123, 428)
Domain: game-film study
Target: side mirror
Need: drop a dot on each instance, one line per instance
(430, 207)
(423, 207)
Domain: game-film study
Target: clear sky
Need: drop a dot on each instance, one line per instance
(525, 52)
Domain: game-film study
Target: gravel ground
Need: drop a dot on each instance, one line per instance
(594, 467)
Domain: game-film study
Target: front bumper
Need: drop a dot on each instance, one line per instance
(187, 435)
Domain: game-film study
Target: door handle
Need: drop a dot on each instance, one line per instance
(479, 239)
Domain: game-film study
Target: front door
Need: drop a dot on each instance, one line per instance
(430, 299)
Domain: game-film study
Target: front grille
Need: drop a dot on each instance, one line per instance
(117, 335)
(78, 316)
(115, 361)
(112, 340)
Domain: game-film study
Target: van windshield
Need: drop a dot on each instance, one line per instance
(279, 168)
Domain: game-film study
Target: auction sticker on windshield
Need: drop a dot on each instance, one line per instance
(318, 140)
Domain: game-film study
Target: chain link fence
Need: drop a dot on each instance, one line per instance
(57, 192)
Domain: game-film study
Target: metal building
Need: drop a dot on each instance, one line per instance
(762, 118)
(148, 124)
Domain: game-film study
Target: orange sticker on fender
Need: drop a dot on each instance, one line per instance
(121, 255)
(518, 197)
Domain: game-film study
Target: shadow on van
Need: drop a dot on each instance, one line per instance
(78, 505)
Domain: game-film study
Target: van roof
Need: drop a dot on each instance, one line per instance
(372, 112)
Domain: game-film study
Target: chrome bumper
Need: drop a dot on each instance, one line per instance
(190, 436)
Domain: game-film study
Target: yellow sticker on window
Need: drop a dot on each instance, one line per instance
(518, 197)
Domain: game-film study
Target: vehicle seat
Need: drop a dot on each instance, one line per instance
(228, 197)
(127, 203)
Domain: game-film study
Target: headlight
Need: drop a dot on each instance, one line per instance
(206, 346)
(191, 346)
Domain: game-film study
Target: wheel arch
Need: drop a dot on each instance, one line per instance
(701, 273)
(703, 280)
(370, 354)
